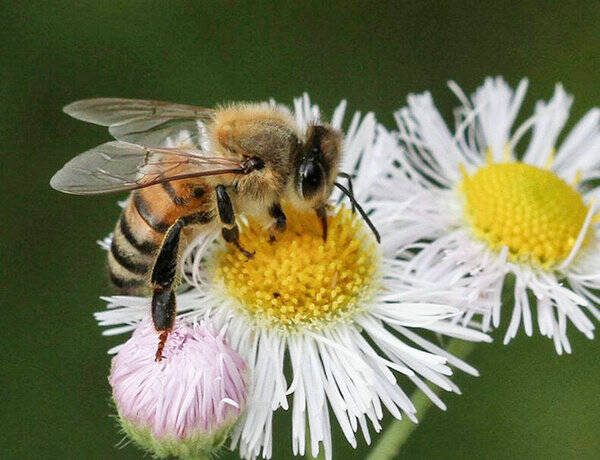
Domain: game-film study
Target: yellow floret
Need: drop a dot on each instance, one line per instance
(530, 210)
(299, 280)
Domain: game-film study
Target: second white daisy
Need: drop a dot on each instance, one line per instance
(480, 210)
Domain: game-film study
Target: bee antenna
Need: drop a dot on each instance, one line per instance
(363, 214)
(348, 177)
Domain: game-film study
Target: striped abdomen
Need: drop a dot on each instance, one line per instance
(142, 225)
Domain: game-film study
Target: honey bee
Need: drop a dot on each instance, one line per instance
(239, 159)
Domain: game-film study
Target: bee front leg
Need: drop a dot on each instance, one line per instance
(230, 230)
(279, 220)
(163, 276)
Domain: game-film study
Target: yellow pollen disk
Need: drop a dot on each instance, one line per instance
(530, 210)
(299, 281)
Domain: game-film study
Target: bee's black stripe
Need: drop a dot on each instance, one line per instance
(176, 199)
(145, 212)
(139, 268)
(145, 247)
(125, 283)
(199, 218)
(198, 192)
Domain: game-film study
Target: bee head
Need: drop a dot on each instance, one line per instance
(317, 165)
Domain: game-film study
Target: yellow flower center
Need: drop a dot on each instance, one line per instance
(299, 280)
(532, 211)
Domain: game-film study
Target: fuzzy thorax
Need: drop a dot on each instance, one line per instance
(300, 281)
(529, 210)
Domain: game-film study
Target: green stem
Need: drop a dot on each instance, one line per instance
(395, 435)
(321, 455)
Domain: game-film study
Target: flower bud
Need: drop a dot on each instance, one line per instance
(185, 404)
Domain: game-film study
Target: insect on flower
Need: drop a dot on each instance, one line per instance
(330, 330)
(237, 159)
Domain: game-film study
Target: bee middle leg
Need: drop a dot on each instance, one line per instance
(230, 230)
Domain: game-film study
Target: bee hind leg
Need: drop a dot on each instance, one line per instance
(163, 275)
(230, 230)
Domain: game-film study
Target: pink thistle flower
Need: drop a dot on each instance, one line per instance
(186, 404)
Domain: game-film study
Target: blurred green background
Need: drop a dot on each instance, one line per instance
(528, 403)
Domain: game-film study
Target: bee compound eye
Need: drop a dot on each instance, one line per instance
(312, 178)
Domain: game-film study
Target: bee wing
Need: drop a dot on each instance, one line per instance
(117, 166)
(149, 123)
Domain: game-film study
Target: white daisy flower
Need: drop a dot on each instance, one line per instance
(483, 205)
(343, 314)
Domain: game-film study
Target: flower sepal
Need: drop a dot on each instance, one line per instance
(185, 405)
(198, 445)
